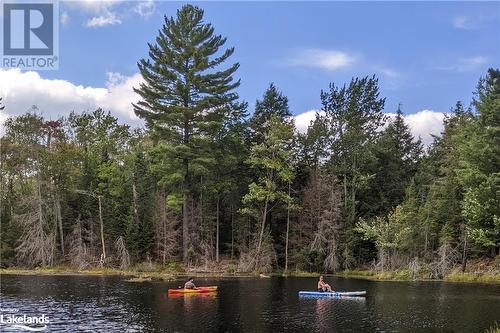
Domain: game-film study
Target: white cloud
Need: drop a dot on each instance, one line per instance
(54, 98)
(303, 120)
(466, 64)
(387, 72)
(64, 19)
(99, 13)
(475, 20)
(100, 21)
(326, 59)
(391, 79)
(93, 6)
(461, 22)
(145, 8)
(472, 62)
(332, 60)
(422, 124)
(121, 94)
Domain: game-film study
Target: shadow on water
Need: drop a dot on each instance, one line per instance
(111, 304)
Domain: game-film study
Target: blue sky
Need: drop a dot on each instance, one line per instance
(427, 55)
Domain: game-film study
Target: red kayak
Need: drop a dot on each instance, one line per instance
(199, 290)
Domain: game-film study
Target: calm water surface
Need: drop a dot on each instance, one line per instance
(111, 304)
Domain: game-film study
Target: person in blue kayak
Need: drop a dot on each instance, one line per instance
(323, 286)
(190, 284)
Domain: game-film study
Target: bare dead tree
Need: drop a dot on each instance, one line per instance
(263, 262)
(447, 258)
(303, 230)
(166, 233)
(101, 222)
(80, 252)
(122, 253)
(328, 221)
(58, 217)
(414, 267)
(37, 240)
(287, 226)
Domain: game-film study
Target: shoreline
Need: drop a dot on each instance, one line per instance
(162, 275)
(169, 275)
(400, 276)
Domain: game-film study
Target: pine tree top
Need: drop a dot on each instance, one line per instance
(184, 86)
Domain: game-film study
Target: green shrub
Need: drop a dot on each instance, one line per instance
(174, 267)
(403, 274)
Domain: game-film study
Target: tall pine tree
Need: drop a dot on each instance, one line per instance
(479, 162)
(273, 103)
(185, 96)
(398, 155)
(353, 116)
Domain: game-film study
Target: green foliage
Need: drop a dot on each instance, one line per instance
(388, 234)
(186, 98)
(271, 161)
(398, 155)
(273, 104)
(140, 229)
(479, 161)
(352, 118)
(351, 188)
(309, 260)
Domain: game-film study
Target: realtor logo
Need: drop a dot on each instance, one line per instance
(30, 35)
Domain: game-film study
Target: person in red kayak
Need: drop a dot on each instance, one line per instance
(190, 284)
(323, 286)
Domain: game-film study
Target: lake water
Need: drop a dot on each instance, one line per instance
(111, 304)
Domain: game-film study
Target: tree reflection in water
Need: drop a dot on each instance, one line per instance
(326, 307)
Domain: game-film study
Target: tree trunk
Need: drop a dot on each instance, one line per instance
(262, 227)
(59, 222)
(102, 229)
(185, 215)
(345, 192)
(40, 213)
(353, 191)
(165, 240)
(163, 217)
(232, 233)
(344, 161)
(217, 234)
(135, 203)
(464, 255)
(185, 229)
(287, 228)
(353, 203)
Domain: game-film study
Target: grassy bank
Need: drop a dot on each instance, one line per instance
(479, 271)
(167, 275)
(61, 270)
(137, 273)
(486, 270)
(405, 275)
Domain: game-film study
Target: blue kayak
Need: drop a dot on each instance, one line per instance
(333, 294)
